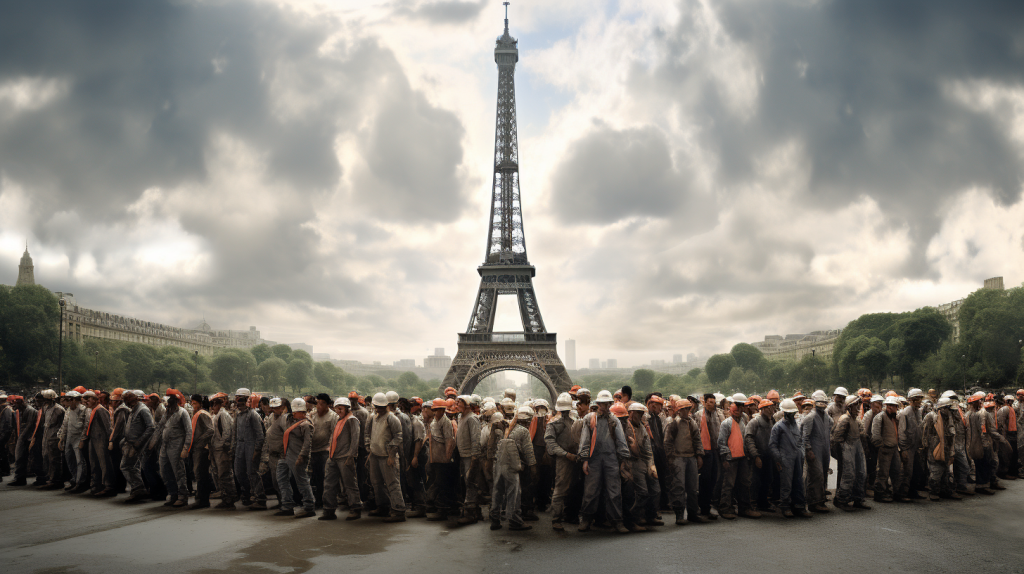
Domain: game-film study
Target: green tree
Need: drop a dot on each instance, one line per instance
(283, 352)
(29, 319)
(298, 375)
(261, 352)
(718, 367)
(272, 370)
(642, 383)
(138, 360)
(748, 357)
(233, 368)
(693, 373)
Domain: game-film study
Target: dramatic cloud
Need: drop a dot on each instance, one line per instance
(695, 173)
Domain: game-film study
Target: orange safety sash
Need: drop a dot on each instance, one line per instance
(195, 417)
(92, 415)
(995, 419)
(337, 431)
(113, 427)
(39, 417)
(287, 432)
(649, 433)
(705, 434)
(593, 434)
(963, 419)
(533, 428)
(1012, 420)
(735, 440)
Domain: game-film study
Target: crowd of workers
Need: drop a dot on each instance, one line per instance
(607, 461)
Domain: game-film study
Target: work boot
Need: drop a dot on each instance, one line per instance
(819, 508)
(19, 482)
(417, 513)
(861, 505)
(680, 520)
(76, 490)
(846, 506)
(258, 506)
(530, 516)
(996, 486)
(106, 493)
(621, 528)
(517, 527)
(495, 525)
(468, 517)
(52, 486)
(788, 513)
(328, 514)
(557, 526)
(354, 514)
(915, 495)
(305, 513)
(965, 493)
(656, 522)
(584, 526)
(955, 496)
(179, 504)
(728, 515)
(284, 512)
(138, 496)
(983, 490)
(801, 512)
(170, 503)
(396, 516)
(636, 528)
(700, 519)
(933, 497)
(378, 512)
(435, 516)
(750, 513)
(225, 505)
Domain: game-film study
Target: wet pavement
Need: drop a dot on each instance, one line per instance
(58, 532)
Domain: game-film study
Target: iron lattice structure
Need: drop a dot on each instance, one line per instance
(506, 269)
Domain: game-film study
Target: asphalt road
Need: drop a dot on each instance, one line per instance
(58, 532)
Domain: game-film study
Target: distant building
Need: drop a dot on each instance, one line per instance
(677, 358)
(691, 357)
(658, 362)
(795, 347)
(405, 363)
(604, 364)
(301, 347)
(438, 360)
(951, 311)
(595, 363)
(321, 356)
(613, 364)
(26, 273)
(570, 354)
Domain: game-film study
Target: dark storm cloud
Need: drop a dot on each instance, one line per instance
(442, 12)
(864, 87)
(152, 91)
(613, 174)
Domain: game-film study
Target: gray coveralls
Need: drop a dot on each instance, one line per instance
(385, 440)
(506, 490)
(817, 428)
(602, 479)
(341, 464)
(175, 438)
(558, 439)
(787, 447)
(249, 442)
(138, 429)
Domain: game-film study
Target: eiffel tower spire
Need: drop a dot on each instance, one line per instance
(506, 269)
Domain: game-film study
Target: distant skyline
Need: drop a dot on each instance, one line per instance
(694, 173)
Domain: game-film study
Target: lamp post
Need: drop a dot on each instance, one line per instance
(195, 376)
(964, 357)
(60, 350)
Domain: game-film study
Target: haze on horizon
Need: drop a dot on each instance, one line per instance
(694, 173)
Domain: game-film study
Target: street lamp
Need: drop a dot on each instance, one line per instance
(60, 350)
(195, 377)
(964, 357)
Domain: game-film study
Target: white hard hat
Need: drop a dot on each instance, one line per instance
(739, 398)
(819, 396)
(945, 402)
(563, 402)
(841, 391)
(915, 393)
(70, 395)
(88, 395)
(392, 397)
(342, 402)
(637, 407)
(428, 404)
(788, 406)
(541, 403)
(380, 400)
(243, 392)
(979, 394)
(475, 399)
(582, 391)
(496, 418)
(525, 413)
(508, 405)
(948, 394)
(275, 402)
(719, 397)
(602, 397)
(464, 398)
(299, 405)
(1008, 398)
(510, 393)
(49, 394)
(877, 398)
(850, 400)
(891, 401)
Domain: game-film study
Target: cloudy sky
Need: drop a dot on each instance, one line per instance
(694, 174)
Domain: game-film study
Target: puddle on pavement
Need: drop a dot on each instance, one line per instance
(295, 550)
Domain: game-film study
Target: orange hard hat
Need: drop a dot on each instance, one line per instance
(1020, 392)
(974, 398)
(656, 399)
(989, 404)
(219, 396)
(416, 401)
(450, 390)
(439, 404)
(892, 394)
(773, 395)
(990, 397)
(619, 410)
(798, 395)
(574, 388)
(80, 389)
(683, 404)
(254, 400)
(765, 403)
(353, 396)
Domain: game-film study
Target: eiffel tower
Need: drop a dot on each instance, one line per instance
(506, 269)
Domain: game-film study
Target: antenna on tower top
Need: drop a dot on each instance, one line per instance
(506, 15)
